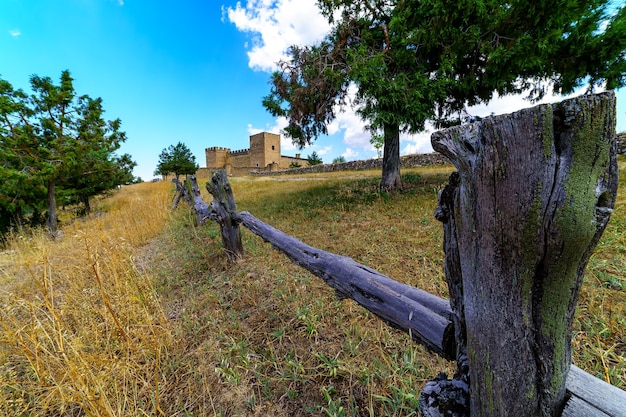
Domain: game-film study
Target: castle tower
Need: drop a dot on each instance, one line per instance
(264, 149)
(216, 157)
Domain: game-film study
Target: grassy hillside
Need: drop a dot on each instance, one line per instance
(135, 312)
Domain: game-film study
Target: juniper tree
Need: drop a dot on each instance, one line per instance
(50, 137)
(314, 159)
(414, 61)
(176, 159)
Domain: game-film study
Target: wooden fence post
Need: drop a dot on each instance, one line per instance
(532, 196)
(223, 205)
(200, 208)
(181, 192)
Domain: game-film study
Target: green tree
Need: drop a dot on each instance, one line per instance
(378, 141)
(176, 159)
(339, 160)
(413, 61)
(314, 159)
(20, 193)
(100, 172)
(51, 136)
(95, 168)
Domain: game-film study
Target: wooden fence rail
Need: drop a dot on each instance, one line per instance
(425, 317)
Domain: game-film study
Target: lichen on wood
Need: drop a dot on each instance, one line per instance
(532, 195)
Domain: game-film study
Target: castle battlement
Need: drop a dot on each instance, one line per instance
(240, 152)
(217, 148)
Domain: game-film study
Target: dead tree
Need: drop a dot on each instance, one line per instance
(220, 210)
(203, 212)
(424, 316)
(532, 195)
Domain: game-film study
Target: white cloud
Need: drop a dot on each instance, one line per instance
(350, 153)
(275, 25)
(352, 127)
(416, 143)
(420, 142)
(324, 150)
(510, 104)
(279, 124)
(15, 33)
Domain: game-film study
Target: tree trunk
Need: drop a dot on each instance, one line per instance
(52, 208)
(391, 158)
(532, 196)
(84, 198)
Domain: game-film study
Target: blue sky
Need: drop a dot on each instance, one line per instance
(193, 71)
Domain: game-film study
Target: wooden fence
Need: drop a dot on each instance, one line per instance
(425, 317)
(437, 323)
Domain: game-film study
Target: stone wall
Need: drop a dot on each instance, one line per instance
(286, 161)
(204, 172)
(264, 151)
(216, 156)
(240, 160)
(240, 171)
(415, 160)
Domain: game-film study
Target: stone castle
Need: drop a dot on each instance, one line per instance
(263, 155)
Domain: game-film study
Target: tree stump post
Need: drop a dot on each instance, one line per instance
(223, 205)
(532, 196)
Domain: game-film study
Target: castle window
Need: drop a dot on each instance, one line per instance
(272, 147)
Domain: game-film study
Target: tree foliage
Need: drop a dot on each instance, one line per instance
(52, 143)
(378, 141)
(314, 159)
(414, 61)
(106, 174)
(176, 159)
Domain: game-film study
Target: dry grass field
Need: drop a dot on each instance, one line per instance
(135, 312)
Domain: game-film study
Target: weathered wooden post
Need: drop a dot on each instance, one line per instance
(199, 207)
(533, 193)
(181, 192)
(223, 205)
